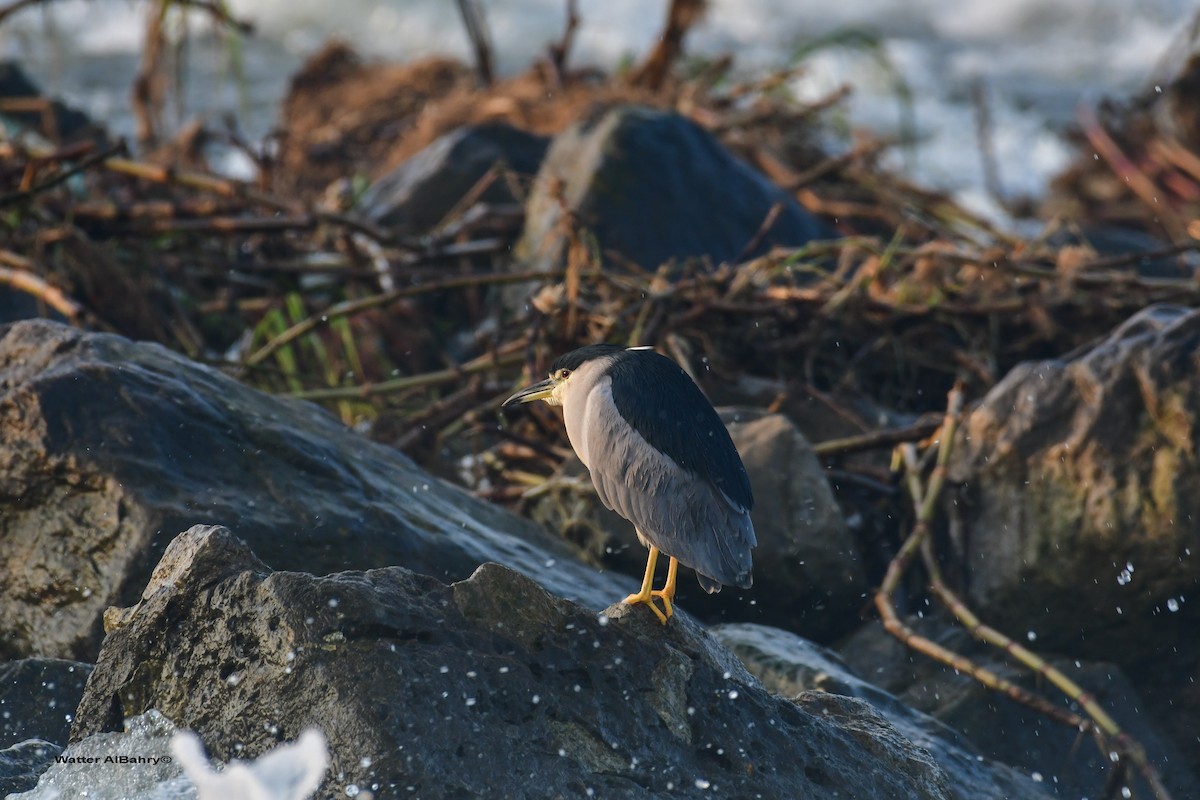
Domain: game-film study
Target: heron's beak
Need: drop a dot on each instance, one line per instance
(539, 391)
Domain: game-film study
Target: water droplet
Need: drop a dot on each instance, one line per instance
(1172, 604)
(1037, 777)
(1031, 636)
(702, 784)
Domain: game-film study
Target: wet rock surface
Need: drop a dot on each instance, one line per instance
(1079, 494)
(642, 182)
(489, 685)
(23, 763)
(38, 697)
(1011, 733)
(816, 678)
(111, 447)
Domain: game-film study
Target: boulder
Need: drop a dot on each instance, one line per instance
(110, 447)
(56, 121)
(807, 572)
(791, 666)
(418, 194)
(38, 697)
(21, 764)
(1079, 494)
(654, 186)
(486, 687)
(1009, 732)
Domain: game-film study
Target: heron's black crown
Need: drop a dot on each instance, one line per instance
(573, 360)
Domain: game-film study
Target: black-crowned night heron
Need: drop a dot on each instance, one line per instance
(660, 457)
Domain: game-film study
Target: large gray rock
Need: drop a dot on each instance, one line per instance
(38, 697)
(419, 193)
(110, 447)
(654, 186)
(1081, 495)
(487, 687)
(791, 666)
(1009, 732)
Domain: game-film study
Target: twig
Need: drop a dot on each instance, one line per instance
(220, 13)
(350, 307)
(925, 498)
(477, 32)
(759, 235)
(18, 5)
(1125, 169)
(560, 50)
(983, 136)
(875, 440)
(681, 15)
(52, 296)
(66, 174)
(926, 501)
(150, 82)
(504, 356)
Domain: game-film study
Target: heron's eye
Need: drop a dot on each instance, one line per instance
(563, 374)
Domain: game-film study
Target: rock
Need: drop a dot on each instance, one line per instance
(62, 124)
(90, 492)
(1006, 731)
(807, 573)
(1110, 241)
(655, 186)
(1080, 495)
(808, 576)
(38, 697)
(21, 764)
(489, 686)
(418, 194)
(816, 678)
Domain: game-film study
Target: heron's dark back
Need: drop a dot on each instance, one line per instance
(665, 406)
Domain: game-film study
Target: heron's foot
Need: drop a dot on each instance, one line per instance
(667, 596)
(647, 598)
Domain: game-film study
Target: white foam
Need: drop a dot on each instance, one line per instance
(152, 760)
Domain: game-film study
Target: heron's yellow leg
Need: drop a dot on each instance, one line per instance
(646, 595)
(667, 593)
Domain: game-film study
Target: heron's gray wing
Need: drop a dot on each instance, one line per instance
(676, 510)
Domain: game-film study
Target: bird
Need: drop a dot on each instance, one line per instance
(660, 457)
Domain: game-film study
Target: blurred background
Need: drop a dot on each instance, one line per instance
(923, 70)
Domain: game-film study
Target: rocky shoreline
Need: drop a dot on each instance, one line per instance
(478, 672)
